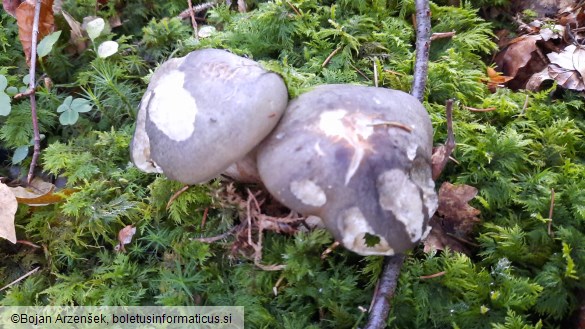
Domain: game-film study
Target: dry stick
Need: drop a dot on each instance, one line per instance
(33, 100)
(550, 211)
(375, 74)
(385, 292)
(392, 264)
(449, 144)
(27, 274)
(423, 44)
(193, 21)
(441, 35)
(197, 9)
(326, 61)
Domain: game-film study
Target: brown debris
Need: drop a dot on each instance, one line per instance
(455, 219)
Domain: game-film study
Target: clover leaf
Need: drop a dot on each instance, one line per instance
(71, 108)
(5, 106)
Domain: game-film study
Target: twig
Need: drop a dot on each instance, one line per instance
(329, 249)
(392, 124)
(525, 105)
(293, 8)
(221, 236)
(473, 109)
(197, 9)
(375, 74)
(26, 93)
(385, 292)
(204, 219)
(33, 100)
(449, 146)
(423, 44)
(193, 21)
(550, 211)
(29, 273)
(441, 35)
(359, 72)
(436, 275)
(392, 264)
(28, 243)
(176, 195)
(277, 284)
(326, 61)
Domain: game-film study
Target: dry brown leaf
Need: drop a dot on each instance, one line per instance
(25, 14)
(569, 79)
(38, 193)
(455, 218)
(76, 37)
(517, 54)
(496, 79)
(8, 206)
(125, 237)
(537, 79)
(10, 6)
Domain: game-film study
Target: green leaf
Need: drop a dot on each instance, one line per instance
(26, 79)
(107, 49)
(5, 107)
(371, 239)
(11, 91)
(80, 105)
(66, 105)
(3, 82)
(95, 28)
(68, 117)
(45, 46)
(19, 154)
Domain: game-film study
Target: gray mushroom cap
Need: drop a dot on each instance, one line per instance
(360, 159)
(203, 112)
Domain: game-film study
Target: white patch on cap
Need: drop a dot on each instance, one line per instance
(354, 128)
(411, 151)
(354, 228)
(172, 108)
(399, 195)
(308, 192)
(319, 150)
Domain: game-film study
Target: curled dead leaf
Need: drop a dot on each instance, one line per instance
(125, 237)
(25, 14)
(8, 206)
(455, 219)
(10, 6)
(39, 193)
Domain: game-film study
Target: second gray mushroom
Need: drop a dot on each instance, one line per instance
(360, 159)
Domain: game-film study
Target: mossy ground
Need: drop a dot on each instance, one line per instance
(519, 275)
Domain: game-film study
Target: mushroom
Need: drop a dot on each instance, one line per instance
(203, 112)
(360, 159)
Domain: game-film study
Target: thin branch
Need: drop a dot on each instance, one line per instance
(375, 74)
(442, 35)
(293, 8)
(197, 9)
(423, 44)
(473, 109)
(435, 275)
(33, 100)
(550, 211)
(385, 292)
(326, 61)
(193, 20)
(27, 274)
(443, 153)
(392, 264)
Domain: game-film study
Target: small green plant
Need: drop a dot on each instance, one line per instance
(71, 108)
